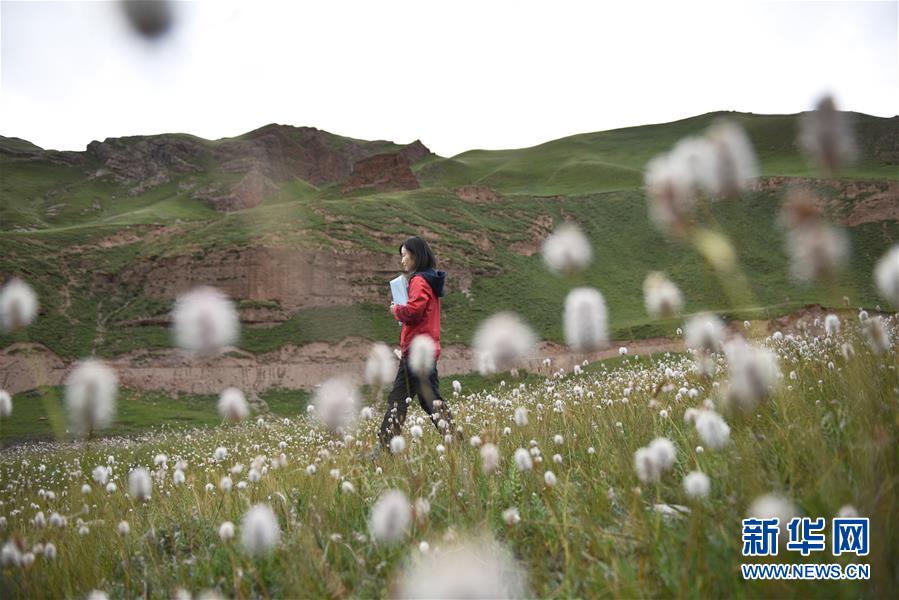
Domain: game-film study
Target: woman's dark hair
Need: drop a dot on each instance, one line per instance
(421, 253)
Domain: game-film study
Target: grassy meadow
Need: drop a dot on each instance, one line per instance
(570, 505)
(825, 439)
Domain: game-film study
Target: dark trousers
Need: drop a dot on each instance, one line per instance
(407, 385)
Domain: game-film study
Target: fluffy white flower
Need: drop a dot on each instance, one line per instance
(770, 506)
(704, 333)
(226, 531)
(831, 325)
(662, 297)
(5, 404)
(397, 444)
(713, 430)
(549, 478)
(335, 403)
(123, 528)
(886, 275)
(753, 373)
(586, 320)
(511, 516)
(225, 484)
(567, 250)
(380, 367)
(90, 396)
(653, 460)
(489, 458)
(259, 530)
(736, 165)
(664, 452)
(11, 554)
(501, 341)
(697, 485)
(847, 512)
(476, 568)
(18, 305)
(817, 250)
(457, 387)
(877, 335)
(521, 416)
(178, 477)
(825, 136)
(422, 355)
(220, 453)
(523, 460)
(204, 320)
(233, 405)
(390, 517)
(670, 191)
(139, 484)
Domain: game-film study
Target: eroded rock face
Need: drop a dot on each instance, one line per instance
(853, 203)
(268, 156)
(384, 172)
(478, 194)
(291, 278)
(250, 191)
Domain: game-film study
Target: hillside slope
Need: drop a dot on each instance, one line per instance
(108, 237)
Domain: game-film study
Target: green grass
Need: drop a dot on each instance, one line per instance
(40, 414)
(825, 439)
(593, 179)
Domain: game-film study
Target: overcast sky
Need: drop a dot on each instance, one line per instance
(458, 75)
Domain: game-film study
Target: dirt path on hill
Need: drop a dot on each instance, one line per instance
(24, 366)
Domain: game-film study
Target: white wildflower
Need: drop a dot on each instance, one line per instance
(567, 249)
(335, 403)
(204, 320)
(259, 530)
(380, 367)
(501, 341)
(661, 296)
(390, 517)
(90, 396)
(233, 405)
(422, 355)
(18, 305)
(697, 485)
(586, 320)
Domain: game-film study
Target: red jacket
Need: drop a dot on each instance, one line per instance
(421, 315)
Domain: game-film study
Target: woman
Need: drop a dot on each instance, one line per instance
(420, 316)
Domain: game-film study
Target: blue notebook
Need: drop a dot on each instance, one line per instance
(399, 290)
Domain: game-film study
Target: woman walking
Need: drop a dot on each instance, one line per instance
(420, 316)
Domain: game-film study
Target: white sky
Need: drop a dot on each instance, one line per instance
(456, 74)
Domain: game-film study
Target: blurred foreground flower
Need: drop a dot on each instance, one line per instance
(18, 305)
(501, 341)
(567, 250)
(473, 568)
(380, 367)
(662, 297)
(586, 320)
(259, 530)
(205, 320)
(90, 396)
(390, 517)
(233, 405)
(335, 403)
(886, 275)
(826, 137)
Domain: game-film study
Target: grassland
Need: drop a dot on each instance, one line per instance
(826, 439)
(592, 179)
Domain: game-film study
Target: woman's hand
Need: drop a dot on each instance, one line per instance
(392, 309)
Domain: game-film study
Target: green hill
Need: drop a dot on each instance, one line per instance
(82, 227)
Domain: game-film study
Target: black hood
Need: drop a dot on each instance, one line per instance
(434, 278)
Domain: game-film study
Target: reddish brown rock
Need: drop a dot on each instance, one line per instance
(384, 172)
